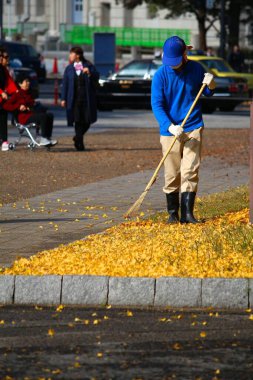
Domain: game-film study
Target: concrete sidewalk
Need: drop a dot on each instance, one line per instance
(46, 221)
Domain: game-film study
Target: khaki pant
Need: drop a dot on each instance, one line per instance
(181, 167)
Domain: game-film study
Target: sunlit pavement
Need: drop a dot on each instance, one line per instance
(132, 118)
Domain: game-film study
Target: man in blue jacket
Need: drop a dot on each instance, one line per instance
(174, 88)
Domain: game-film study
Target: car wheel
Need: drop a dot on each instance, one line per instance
(208, 109)
(228, 108)
(105, 108)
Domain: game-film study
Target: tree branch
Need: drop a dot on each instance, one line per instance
(211, 23)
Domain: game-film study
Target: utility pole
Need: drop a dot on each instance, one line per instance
(9, 18)
(1, 20)
(251, 164)
(222, 30)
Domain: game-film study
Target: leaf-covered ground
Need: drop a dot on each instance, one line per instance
(220, 247)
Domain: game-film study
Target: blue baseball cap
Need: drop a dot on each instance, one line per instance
(173, 50)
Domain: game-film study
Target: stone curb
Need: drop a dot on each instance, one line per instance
(126, 291)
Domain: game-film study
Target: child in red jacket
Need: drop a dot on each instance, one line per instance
(7, 87)
(22, 103)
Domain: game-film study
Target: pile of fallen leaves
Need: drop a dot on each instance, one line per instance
(221, 247)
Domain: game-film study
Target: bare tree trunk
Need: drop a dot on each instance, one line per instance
(234, 13)
(202, 33)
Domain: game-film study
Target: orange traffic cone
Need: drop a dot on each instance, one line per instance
(56, 87)
(55, 66)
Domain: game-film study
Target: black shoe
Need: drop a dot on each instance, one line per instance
(173, 207)
(79, 145)
(187, 207)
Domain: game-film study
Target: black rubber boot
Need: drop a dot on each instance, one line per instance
(173, 207)
(187, 207)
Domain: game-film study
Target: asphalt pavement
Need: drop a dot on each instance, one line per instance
(239, 118)
(87, 343)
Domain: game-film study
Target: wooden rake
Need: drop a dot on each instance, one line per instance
(135, 207)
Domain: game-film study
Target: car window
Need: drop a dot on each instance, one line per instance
(217, 64)
(135, 69)
(154, 67)
(21, 51)
(32, 52)
(16, 50)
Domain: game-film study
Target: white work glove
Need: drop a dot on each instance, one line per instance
(175, 130)
(208, 80)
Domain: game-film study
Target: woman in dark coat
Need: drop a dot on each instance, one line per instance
(79, 94)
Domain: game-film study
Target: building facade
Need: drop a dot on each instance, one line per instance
(45, 21)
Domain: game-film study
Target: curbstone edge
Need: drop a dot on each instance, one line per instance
(131, 291)
(178, 291)
(85, 290)
(44, 290)
(225, 292)
(7, 289)
(251, 293)
(126, 291)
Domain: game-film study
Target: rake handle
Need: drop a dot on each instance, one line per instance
(153, 178)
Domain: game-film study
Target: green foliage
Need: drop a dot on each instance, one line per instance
(237, 11)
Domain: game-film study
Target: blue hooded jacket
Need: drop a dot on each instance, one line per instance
(173, 93)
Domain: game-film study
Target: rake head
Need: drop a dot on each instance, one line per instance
(135, 207)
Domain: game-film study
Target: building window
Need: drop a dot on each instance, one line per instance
(19, 7)
(40, 7)
(77, 11)
(128, 18)
(151, 11)
(105, 14)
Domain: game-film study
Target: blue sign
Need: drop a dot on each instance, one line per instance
(209, 4)
(105, 53)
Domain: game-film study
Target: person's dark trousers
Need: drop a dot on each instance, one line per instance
(45, 121)
(3, 126)
(80, 129)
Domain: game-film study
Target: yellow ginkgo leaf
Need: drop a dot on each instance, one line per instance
(60, 308)
(51, 332)
(177, 346)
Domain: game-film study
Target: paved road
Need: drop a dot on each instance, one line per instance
(107, 344)
(133, 118)
(141, 119)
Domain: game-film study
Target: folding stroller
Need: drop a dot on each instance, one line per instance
(24, 132)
